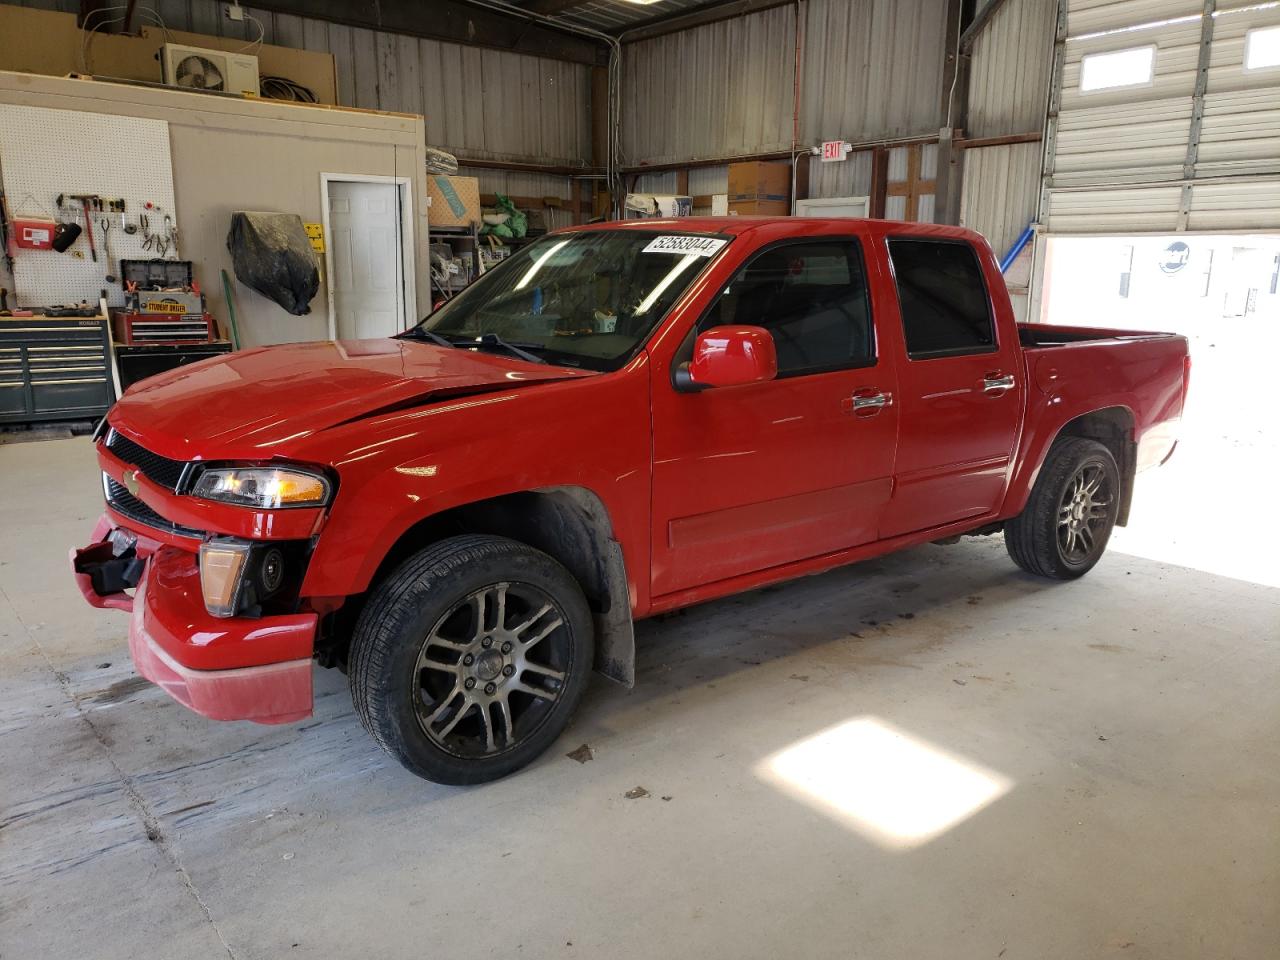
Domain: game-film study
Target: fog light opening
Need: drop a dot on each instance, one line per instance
(271, 572)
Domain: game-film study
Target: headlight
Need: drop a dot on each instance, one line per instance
(267, 488)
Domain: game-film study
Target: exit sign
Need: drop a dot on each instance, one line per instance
(834, 150)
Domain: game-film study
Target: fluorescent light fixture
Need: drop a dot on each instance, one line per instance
(537, 264)
(894, 789)
(1262, 48)
(1121, 68)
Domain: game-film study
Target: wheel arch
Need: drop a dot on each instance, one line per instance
(570, 524)
(1114, 426)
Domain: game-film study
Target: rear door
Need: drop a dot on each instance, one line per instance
(754, 476)
(960, 388)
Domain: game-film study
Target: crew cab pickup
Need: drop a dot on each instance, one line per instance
(619, 420)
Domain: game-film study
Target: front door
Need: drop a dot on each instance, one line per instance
(368, 263)
(746, 478)
(960, 388)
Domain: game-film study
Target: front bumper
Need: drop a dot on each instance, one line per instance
(225, 669)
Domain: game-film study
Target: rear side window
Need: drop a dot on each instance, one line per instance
(944, 305)
(812, 297)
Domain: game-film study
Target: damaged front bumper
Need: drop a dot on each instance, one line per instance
(223, 668)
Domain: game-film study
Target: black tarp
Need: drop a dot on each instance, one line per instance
(270, 252)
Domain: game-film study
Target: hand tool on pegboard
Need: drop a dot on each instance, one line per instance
(85, 200)
(104, 224)
(4, 233)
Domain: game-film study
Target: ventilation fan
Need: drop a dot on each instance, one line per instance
(198, 68)
(199, 72)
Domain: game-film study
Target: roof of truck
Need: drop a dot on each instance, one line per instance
(798, 226)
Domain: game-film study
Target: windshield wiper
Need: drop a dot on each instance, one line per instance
(422, 333)
(515, 349)
(520, 350)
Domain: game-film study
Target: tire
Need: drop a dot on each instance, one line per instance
(458, 630)
(1062, 533)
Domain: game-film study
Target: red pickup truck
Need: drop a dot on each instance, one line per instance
(619, 420)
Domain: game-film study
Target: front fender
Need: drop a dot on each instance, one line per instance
(404, 469)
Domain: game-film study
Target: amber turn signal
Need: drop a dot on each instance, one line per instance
(222, 567)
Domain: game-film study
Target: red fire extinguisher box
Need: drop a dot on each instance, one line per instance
(33, 234)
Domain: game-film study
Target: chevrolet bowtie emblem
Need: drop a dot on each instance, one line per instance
(131, 482)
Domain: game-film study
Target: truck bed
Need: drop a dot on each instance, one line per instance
(1037, 335)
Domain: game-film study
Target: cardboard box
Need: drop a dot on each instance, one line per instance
(759, 208)
(455, 201)
(759, 180)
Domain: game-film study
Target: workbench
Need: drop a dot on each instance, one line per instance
(54, 368)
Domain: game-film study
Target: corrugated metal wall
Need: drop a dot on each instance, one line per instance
(1001, 190)
(871, 69)
(851, 178)
(1010, 67)
(718, 90)
(1008, 90)
(477, 102)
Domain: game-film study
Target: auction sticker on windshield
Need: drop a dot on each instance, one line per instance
(695, 246)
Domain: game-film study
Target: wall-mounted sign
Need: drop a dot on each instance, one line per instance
(1175, 256)
(834, 150)
(315, 233)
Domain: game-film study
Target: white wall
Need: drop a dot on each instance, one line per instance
(231, 154)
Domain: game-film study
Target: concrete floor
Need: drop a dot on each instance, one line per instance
(1013, 768)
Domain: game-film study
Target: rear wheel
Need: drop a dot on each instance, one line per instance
(470, 659)
(1064, 528)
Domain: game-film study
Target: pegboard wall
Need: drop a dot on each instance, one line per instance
(44, 153)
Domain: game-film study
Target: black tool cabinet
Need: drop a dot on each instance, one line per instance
(54, 368)
(138, 363)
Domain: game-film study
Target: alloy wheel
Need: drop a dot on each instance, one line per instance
(491, 669)
(1084, 513)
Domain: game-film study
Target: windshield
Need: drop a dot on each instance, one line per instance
(586, 299)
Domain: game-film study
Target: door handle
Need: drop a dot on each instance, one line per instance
(868, 404)
(995, 383)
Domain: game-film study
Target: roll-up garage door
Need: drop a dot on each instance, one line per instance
(1167, 118)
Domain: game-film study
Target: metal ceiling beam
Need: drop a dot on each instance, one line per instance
(707, 13)
(455, 21)
(980, 21)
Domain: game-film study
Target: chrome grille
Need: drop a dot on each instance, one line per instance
(154, 467)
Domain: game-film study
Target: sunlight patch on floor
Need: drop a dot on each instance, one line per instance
(894, 789)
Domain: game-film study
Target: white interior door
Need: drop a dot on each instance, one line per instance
(368, 263)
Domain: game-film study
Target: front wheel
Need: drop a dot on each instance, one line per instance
(1064, 528)
(469, 660)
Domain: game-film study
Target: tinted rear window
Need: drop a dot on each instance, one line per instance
(942, 298)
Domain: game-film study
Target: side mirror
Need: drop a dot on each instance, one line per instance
(729, 357)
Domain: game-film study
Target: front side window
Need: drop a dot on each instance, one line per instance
(812, 297)
(943, 300)
(586, 299)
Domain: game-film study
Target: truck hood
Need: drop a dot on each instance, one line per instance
(251, 402)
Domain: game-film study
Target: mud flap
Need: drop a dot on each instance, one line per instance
(615, 633)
